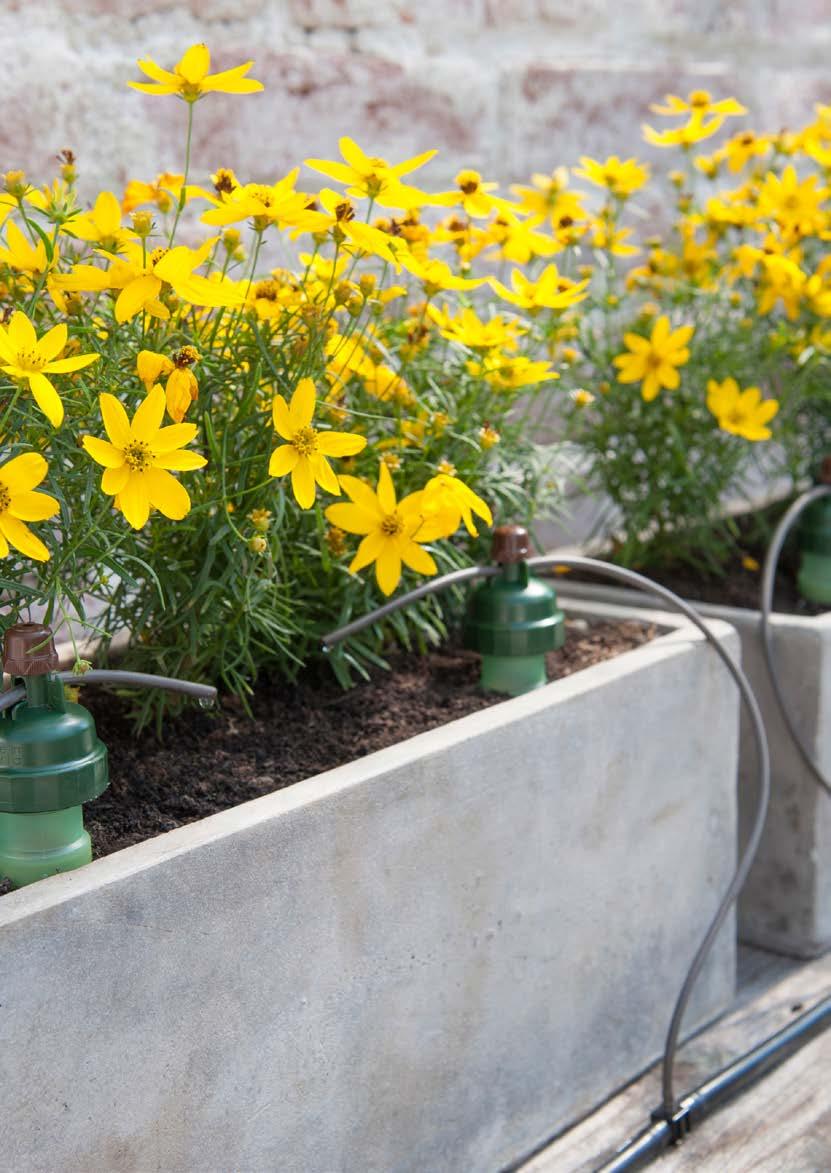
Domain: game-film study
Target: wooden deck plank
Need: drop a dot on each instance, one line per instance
(772, 992)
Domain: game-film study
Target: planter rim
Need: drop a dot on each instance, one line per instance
(623, 596)
(678, 635)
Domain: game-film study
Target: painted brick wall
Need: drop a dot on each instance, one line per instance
(507, 86)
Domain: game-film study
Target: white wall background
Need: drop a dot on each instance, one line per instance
(507, 86)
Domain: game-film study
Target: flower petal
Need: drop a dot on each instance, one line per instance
(302, 406)
(22, 538)
(281, 417)
(114, 479)
(369, 549)
(20, 330)
(180, 461)
(24, 472)
(76, 362)
(324, 474)
(417, 559)
(386, 491)
(135, 294)
(33, 506)
(116, 422)
(173, 436)
(47, 399)
(303, 483)
(134, 500)
(340, 443)
(52, 342)
(195, 64)
(102, 452)
(351, 518)
(283, 460)
(167, 494)
(388, 569)
(361, 493)
(149, 415)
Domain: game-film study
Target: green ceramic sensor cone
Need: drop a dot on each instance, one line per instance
(51, 762)
(814, 538)
(513, 619)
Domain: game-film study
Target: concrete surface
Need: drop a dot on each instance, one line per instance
(431, 958)
(786, 904)
(505, 86)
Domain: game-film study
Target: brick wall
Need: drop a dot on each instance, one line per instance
(507, 86)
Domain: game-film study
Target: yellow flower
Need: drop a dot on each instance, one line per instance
(614, 240)
(550, 198)
(305, 451)
(190, 78)
(138, 455)
(550, 291)
(369, 177)
(517, 239)
(391, 530)
(581, 397)
(511, 372)
(19, 504)
(468, 329)
(654, 361)
(435, 275)
(741, 148)
(621, 177)
(141, 279)
(700, 103)
(794, 206)
(694, 131)
(448, 501)
(181, 388)
(488, 436)
(26, 258)
(102, 225)
(263, 203)
(23, 356)
(743, 413)
(163, 192)
(750, 563)
(475, 196)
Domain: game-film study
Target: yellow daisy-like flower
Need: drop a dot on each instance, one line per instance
(743, 413)
(621, 177)
(699, 103)
(190, 78)
(449, 501)
(306, 449)
(19, 504)
(368, 177)
(694, 131)
(391, 530)
(137, 458)
(654, 361)
(550, 291)
(24, 357)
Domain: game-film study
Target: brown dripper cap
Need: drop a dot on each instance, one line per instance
(510, 544)
(29, 650)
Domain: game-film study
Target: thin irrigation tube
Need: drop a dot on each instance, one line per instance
(631, 578)
(721, 1088)
(205, 692)
(454, 578)
(766, 606)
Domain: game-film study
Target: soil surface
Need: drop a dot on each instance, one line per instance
(210, 761)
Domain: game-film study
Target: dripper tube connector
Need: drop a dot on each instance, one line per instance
(51, 762)
(513, 619)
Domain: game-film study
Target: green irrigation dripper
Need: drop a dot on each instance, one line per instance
(513, 619)
(814, 541)
(51, 762)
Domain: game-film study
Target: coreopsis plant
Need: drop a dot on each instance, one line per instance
(699, 361)
(210, 454)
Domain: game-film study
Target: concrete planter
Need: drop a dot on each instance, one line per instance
(786, 904)
(430, 958)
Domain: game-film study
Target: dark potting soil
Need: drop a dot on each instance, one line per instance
(209, 761)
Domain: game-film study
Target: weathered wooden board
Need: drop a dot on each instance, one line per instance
(782, 1125)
